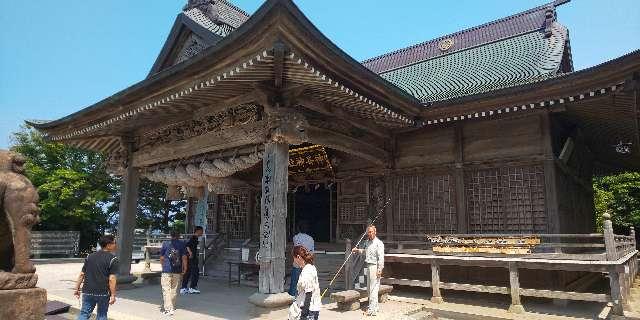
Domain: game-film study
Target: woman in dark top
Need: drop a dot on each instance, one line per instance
(193, 273)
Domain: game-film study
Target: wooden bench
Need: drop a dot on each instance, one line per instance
(349, 300)
(54, 243)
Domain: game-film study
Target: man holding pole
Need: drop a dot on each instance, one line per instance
(374, 258)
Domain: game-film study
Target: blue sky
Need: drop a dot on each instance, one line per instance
(57, 57)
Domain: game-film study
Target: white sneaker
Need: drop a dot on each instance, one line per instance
(169, 312)
(184, 291)
(192, 290)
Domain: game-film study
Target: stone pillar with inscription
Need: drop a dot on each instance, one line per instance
(127, 220)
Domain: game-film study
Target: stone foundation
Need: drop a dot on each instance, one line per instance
(23, 304)
(275, 300)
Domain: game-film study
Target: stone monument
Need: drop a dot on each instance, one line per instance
(19, 297)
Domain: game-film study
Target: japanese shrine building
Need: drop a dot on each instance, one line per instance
(487, 130)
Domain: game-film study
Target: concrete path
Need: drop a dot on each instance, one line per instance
(219, 301)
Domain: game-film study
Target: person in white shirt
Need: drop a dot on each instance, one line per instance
(374, 258)
(305, 240)
(308, 287)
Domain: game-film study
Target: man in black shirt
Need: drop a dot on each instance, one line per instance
(98, 280)
(192, 269)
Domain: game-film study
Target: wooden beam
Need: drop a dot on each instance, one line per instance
(257, 96)
(279, 50)
(337, 112)
(347, 144)
(233, 137)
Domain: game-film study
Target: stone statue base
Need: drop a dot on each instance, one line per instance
(17, 280)
(23, 304)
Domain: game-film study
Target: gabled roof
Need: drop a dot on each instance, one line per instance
(201, 24)
(528, 46)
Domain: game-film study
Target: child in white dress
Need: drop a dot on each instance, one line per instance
(308, 297)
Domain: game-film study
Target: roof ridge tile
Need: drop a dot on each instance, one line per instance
(371, 62)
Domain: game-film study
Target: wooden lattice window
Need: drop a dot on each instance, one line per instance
(506, 200)
(425, 204)
(233, 214)
(212, 202)
(353, 207)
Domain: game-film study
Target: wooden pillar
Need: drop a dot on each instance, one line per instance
(273, 217)
(550, 180)
(348, 281)
(458, 179)
(388, 206)
(435, 282)
(514, 281)
(127, 220)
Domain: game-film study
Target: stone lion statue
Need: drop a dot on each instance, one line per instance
(18, 213)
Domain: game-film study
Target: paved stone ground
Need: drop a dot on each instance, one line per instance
(219, 301)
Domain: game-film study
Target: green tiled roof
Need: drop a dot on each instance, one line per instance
(524, 58)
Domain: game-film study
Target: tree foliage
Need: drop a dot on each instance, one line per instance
(77, 193)
(619, 195)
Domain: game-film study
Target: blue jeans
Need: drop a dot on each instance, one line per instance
(89, 303)
(293, 286)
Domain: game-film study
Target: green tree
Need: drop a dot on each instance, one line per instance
(155, 211)
(76, 192)
(620, 196)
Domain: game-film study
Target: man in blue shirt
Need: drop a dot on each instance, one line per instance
(173, 258)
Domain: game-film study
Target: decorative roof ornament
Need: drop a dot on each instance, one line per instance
(623, 147)
(208, 7)
(445, 44)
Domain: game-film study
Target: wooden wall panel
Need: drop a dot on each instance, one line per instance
(425, 204)
(353, 208)
(233, 212)
(499, 139)
(506, 200)
(426, 148)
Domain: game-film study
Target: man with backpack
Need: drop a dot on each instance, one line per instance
(173, 258)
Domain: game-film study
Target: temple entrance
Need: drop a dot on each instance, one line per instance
(313, 205)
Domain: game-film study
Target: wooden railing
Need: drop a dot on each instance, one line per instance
(615, 255)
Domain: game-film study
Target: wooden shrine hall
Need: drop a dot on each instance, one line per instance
(488, 130)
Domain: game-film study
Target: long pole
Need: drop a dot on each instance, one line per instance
(380, 211)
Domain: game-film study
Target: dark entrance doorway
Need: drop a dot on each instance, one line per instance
(312, 204)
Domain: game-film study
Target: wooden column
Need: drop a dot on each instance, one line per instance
(550, 181)
(273, 217)
(348, 282)
(458, 179)
(435, 282)
(388, 206)
(127, 219)
(514, 281)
